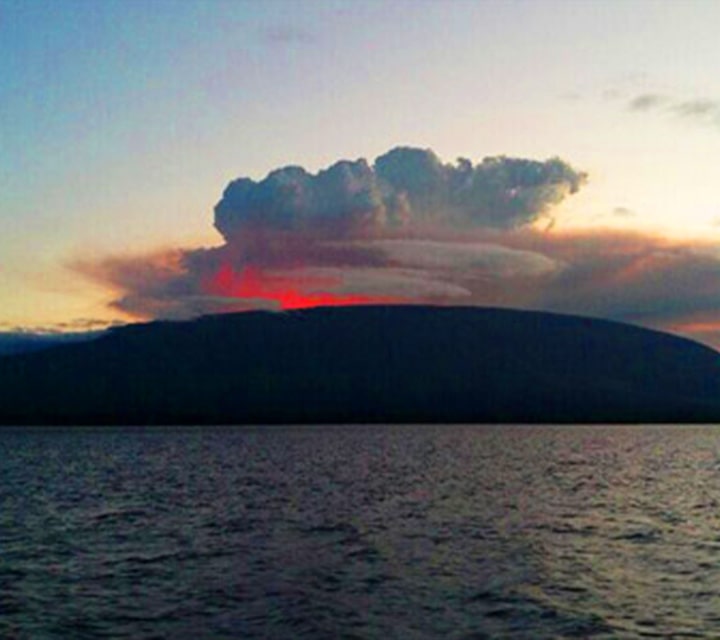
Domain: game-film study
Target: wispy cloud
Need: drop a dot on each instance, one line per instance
(647, 102)
(701, 110)
(623, 212)
(285, 34)
(75, 326)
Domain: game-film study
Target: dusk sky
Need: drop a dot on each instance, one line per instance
(123, 122)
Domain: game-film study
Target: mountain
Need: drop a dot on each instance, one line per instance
(14, 342)
(366, 364)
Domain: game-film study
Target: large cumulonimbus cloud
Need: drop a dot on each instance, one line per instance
(412, 229)
(405, 187)
(406, 229)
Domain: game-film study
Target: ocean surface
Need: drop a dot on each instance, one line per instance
(360, 532)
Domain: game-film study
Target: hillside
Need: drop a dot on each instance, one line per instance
(366, 364)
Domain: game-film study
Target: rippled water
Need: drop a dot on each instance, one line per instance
(361, 532)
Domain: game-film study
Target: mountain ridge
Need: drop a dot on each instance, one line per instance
(367, 364)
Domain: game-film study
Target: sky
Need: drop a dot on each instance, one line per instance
(123, 122)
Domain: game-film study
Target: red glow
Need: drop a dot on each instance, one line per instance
(288, 292)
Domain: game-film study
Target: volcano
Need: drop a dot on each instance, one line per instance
(366, 364)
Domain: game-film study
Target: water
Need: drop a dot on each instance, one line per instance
(361, 532)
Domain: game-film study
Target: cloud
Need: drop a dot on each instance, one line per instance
(647, 102)
(623, 212)
(634, 277)
(76, 326)
(412, 229)
(405, 187)
(475, 259)
(617, 213)
(697, 108)
(700, 110)
(165, 284)
(285, 34)
(620, 275)
(408, 228)
(400, 284)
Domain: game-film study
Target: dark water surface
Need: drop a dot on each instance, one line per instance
(361, 532)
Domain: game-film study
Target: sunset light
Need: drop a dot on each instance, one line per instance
(285, 292)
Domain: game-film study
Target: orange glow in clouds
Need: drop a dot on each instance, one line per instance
(289, 293)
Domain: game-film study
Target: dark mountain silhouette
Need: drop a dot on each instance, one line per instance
(366, 364)
(12, 343)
